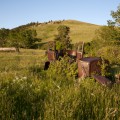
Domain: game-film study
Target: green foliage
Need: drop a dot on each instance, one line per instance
(106, 36)
(3, 36)
(28, 92)
(105, 69)
(106, 43)
(87, 48)
(14, 39)
(19, 37)
(62, 39)
(116, 16)
(63, 30)
(28, 37)
(22, 38)
(63, 68)
(24, 99)
(110, 53)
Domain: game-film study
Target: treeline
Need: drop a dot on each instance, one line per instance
(19, 38)
(28, 25)
(38, 23)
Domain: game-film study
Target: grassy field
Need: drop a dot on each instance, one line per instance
(19, 63)
(79, 31)
(27, 92)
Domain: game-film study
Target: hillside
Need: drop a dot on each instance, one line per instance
(79, 31)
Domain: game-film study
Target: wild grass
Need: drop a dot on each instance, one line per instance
(20, 62)
(27, 92)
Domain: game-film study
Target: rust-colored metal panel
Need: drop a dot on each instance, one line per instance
(51, 55)
(75, 54)
(102, 80)
(117, 78)
(83, 69)
(72, 52)
(88, 66)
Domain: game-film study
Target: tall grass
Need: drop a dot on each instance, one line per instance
(27, 92)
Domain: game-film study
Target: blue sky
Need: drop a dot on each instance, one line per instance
(14, 13)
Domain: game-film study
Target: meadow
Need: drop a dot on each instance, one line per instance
(27, 92)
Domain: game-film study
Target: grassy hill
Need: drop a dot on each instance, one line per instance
(79, 31)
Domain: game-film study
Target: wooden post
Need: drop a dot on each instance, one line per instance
(82, 49)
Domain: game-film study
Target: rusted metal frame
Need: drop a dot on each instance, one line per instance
(76, 54)
(78, 49)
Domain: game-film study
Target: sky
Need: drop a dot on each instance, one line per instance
(14, 13)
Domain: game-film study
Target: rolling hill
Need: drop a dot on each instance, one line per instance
(79, 31)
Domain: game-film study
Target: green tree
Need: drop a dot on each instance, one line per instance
(28, 38)
(22, 38)
(116, 17)
(3, 36)
(107, 35)
(62, 39)
(14, 38)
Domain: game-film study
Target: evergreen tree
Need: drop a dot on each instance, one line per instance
(62, 39)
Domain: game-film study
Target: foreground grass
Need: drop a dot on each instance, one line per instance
(27, 92)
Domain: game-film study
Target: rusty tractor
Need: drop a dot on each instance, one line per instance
(87, 66)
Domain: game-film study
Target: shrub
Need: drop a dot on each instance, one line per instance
(110, 53)
(62, 71)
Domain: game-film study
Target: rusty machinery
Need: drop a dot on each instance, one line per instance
(87, 66)
(54, 54)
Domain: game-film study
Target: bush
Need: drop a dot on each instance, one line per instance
(62, 71)
(111, 53)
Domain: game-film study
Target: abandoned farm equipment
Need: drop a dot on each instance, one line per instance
(87, 66)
